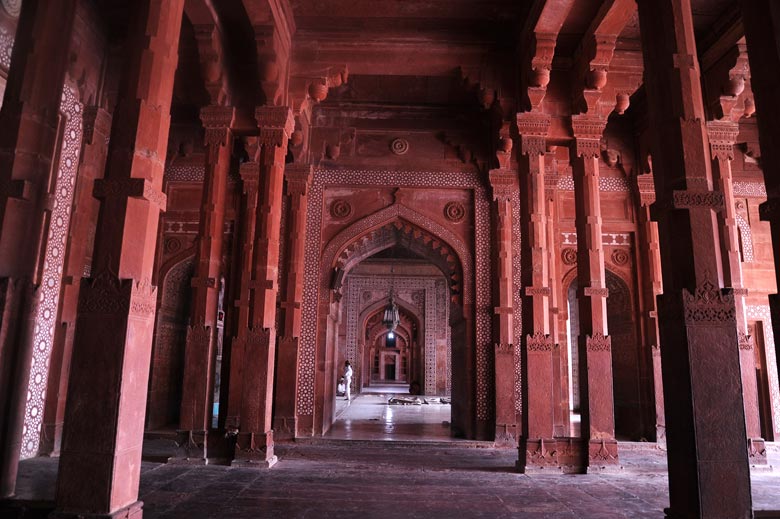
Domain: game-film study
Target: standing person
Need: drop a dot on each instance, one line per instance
(347, 379)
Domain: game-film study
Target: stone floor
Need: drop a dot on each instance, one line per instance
(351, 474)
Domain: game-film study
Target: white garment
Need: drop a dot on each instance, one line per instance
(348, 381)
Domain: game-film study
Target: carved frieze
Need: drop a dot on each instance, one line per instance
(688, 199)
(598, 342)
(709, 305)
(539, 342)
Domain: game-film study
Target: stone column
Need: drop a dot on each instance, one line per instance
(100, 463)
(254, 444)
(705, 421)
(504, 183)
(722, 137)
(199, 356)
(97, 129)
(594, 343)
(298, 178)
(650, 265)
(250, 179)
(28, 133)
(535, 449)
(560, 373)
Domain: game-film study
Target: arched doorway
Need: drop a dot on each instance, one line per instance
(426, 275)
(626, 378)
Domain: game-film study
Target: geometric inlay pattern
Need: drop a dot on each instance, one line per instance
(313, 270)
(47, 300)
(6, 47)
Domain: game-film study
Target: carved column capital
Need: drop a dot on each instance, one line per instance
(588, 130)
(645, 188)
(504, 183)
(250, 177)
(276, 124)
(722, 136)
(217, 121)
(298, 177)
(533, 129)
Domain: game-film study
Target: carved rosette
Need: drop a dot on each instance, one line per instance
(340, 209)
(620, 257)
(539, 342)
(709, 305)
(598, 343)
(399, 146)
(454, 212)
(569, 256)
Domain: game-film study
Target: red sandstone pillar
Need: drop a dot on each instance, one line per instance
(595, 345)
(199, 357)
(722, 137)
(28, 132)
(254, 443)
(298, 178)
(103, 435)
(650, 266)
(97, 129)
(535, 449)
(504, 183)
(250, 176)
(761, 21)
(705, 421)
(560, 373)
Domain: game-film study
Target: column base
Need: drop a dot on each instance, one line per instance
(191, 448)
(284, 427)
(603, 456)
(756, 451)
(254, 450)
(538, 455)
(506, 435)
(133, 511)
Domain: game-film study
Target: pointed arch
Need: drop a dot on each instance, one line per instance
(434, 236)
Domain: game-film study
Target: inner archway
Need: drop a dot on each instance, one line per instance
(402, 381)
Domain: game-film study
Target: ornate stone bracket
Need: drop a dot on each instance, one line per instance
(598, 342)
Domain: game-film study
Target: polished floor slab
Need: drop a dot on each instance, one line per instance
(387, 480)
(397, 461)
